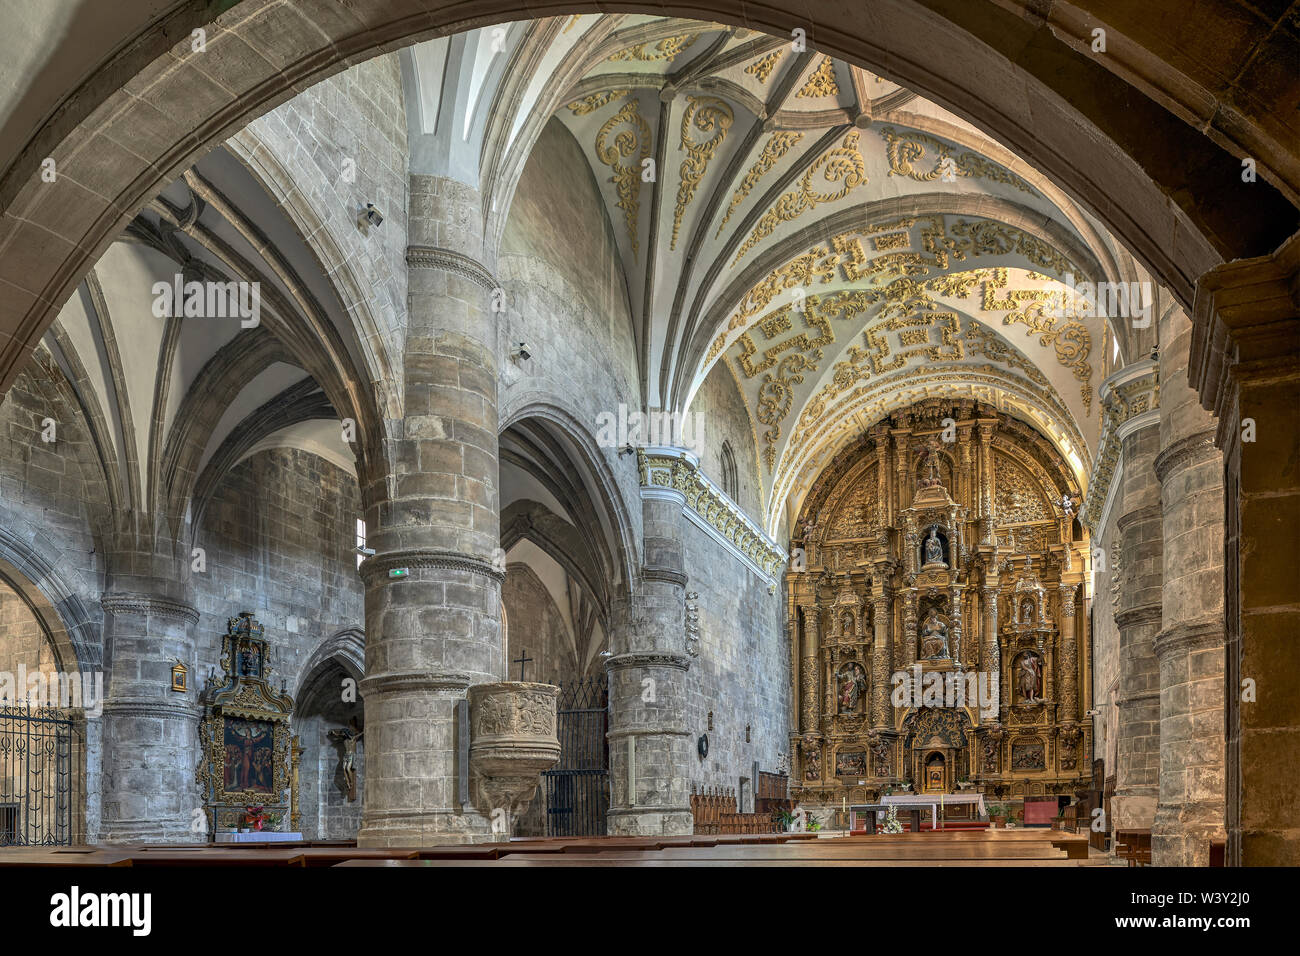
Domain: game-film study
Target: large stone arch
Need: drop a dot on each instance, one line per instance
(598, 475)
(40, 575)
(1143, 115)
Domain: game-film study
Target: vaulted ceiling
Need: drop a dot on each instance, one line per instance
(842, 245)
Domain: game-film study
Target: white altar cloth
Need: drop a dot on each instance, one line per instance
(255, 836)
(931, 800)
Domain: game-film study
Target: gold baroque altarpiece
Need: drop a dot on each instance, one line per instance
(944, 542)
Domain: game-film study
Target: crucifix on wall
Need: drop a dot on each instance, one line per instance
(348, 737)
(521, 660)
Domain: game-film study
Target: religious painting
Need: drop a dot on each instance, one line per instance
(1028, 756)
(852, 764)
(244, 733)
(934, 774)
(851, 686)
(250, 755)
(250, 659)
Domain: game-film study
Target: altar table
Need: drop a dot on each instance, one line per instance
(256, 836)
(918, 800)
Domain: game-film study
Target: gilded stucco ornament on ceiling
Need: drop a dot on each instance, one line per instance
(842, 165)
(905, 148)
(665, 49)
(593, 102)
(1042, 316)
(777, 145)
(703, 114)
(762, 68)
(821, 82)
(626, 134)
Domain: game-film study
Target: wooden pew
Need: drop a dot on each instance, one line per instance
(1134, 846)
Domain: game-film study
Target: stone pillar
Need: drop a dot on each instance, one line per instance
(1138, 617)
(433, 512)
(881, 677)
(808, 690)
(650, 746)
(1245, 365)
(1189, 647)
(149, 732)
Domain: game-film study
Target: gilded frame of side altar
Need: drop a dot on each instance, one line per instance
(244, 736)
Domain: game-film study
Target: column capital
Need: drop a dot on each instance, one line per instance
(134, 602)
(1246, 319)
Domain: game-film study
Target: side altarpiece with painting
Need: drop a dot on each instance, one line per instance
(244, 733)
(944, 541)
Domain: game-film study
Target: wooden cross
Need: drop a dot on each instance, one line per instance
(521, 660)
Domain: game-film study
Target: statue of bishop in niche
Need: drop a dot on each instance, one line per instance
(934, 637)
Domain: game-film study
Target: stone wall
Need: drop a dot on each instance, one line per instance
(22, 641)
(537, 625)
(566, 298)
(280, 538)
(726, 418)
(742, 671)
(50, 495)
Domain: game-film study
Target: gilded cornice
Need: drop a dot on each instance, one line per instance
(662, 469)
(1129, 398)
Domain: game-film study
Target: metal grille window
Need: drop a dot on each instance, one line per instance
(577, 788)
(40, 754)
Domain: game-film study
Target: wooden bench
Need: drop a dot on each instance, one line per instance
(1134, 846)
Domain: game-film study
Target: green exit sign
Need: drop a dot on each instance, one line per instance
(398, 572)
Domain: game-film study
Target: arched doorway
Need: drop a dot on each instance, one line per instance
(328, 712)
(44, 702)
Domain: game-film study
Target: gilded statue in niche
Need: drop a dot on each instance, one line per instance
(934, 637)
(932, 550)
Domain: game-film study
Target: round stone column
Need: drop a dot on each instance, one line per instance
(149, 732)
(650, 746)
(1190, 645)
(1138, 619)
(433, 586)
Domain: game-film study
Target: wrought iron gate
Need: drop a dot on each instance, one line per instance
(40, 750)
(577, 788)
